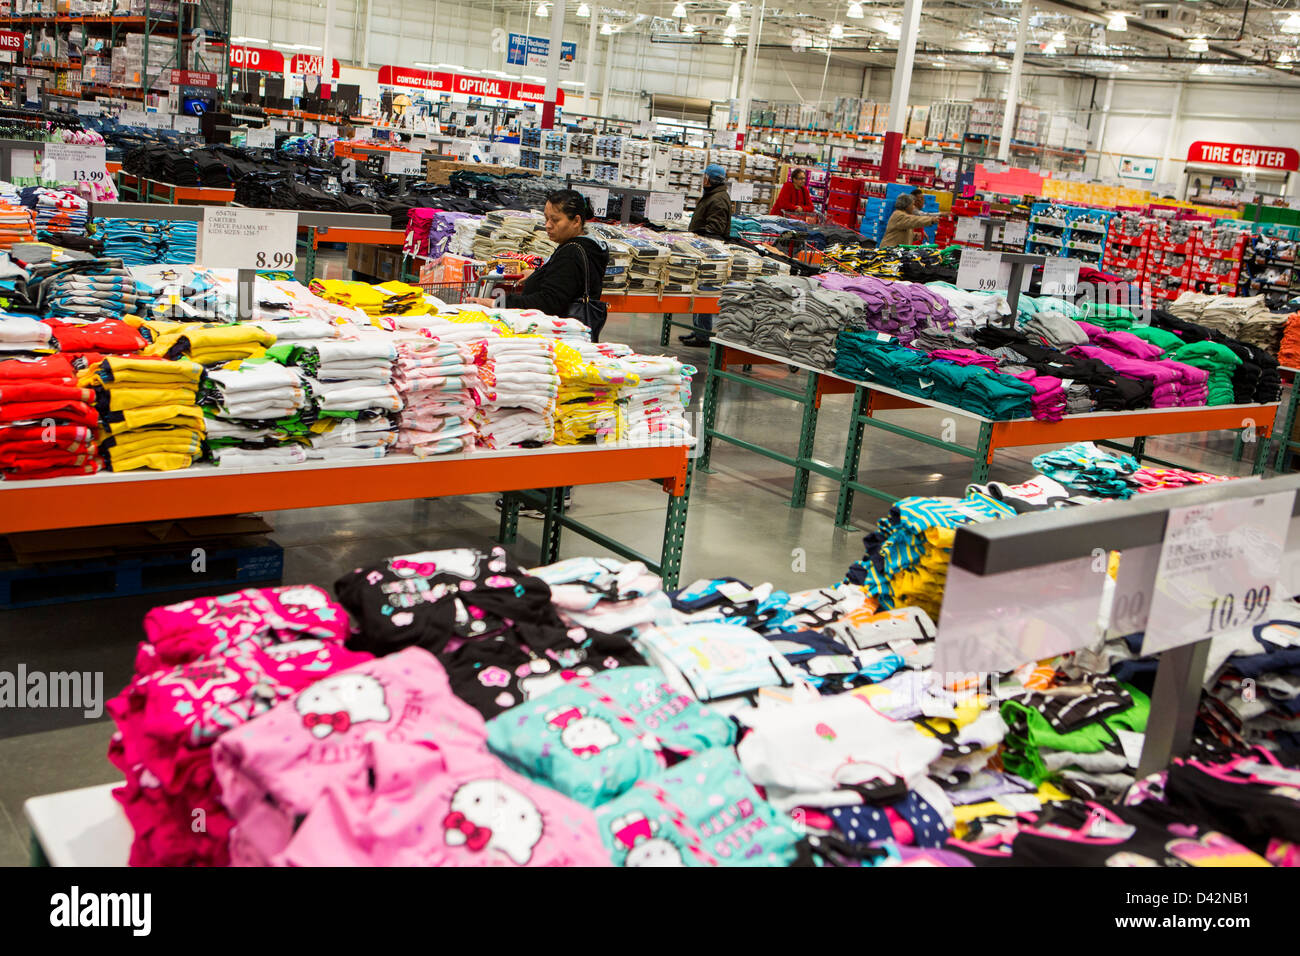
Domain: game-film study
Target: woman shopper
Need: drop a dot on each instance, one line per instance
(898, 231)
(794, 196)
(570, 282)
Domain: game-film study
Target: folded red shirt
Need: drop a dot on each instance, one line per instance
(107, 335)
(58, 433)
(44, 392)
(61, 471)
(78, 413)
(48, 368)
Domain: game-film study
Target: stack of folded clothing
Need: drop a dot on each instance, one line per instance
(746, 266)
(532, 322)
(1092, 383)
(649, 264)
(16, 224)
(972, 309)
(96, 338)
(389, 298)
(1109, 316)
(1219, 362)
(242, 402)
(47, 422)
(94, 288)
(1253, 693)
(1053, 321)
(58, 212)
(418, 223)
(439, 386)
(654, 407)
(135, 241)
(204, 668)
(587, 402)
(22, 333)
(710, 260)
(506, 230)
(816, 318)
(618, 267)
(180, 242)
(907, 556)
(1085, 467)
(1150, 478)
(148, 412)
(523, 385)
(206, 344)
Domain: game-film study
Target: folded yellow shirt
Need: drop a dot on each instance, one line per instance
(123, 397)
(141, 371)
(189, 416)
(179, 440)
(991, 808)
(158, 461)
(241, 339)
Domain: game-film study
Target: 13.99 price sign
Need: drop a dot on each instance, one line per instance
(234, 238)
(68, 163)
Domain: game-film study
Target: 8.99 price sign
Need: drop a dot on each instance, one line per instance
(235, 238)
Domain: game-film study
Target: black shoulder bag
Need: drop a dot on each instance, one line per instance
(591, 314)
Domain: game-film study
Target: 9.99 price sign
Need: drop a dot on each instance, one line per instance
(235, 238)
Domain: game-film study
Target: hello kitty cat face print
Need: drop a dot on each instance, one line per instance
(335, 704)
(638, 835)
(490, 814)
(585, 736)
(462, 562)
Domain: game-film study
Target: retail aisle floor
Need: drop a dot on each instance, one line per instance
(739, 524)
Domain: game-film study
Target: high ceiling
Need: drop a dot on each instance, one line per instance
(1219, 40)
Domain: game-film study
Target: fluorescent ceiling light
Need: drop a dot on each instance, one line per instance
(448, 66)
(584, 11)
(730, 31)
(1049, 49)
(534, 77)
(728, 41)
(308, 46)
(1058, 39)
(1198, 45)
(247, 40)
(606, 29)
(572, 83)
(679, 11)
(1291, 24)
(689, 29)
(1284, 57)
(855, 10)
(1123, 67)
(837, 32)
(543, 10)
(892, 30)
(285, 46)
(1117, 23)
(733, 11)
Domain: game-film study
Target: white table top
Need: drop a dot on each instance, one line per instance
(81, 827)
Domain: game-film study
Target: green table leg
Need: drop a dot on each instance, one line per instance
(852, 454)
(709, 406)
(675, 533)
(551, 525)
(1139, 448)
(1238, 445)
(981, 470)
(807, 437)
(309, 259)
(666, 333)
(1261, 455)
(508, 533)
(1283, 434)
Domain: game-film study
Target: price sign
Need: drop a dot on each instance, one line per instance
(88, 109)
(403, 163)
(238, 238)
(66, 163)
(980, 270)
(569, 166)
(157, 121)
(1132, 598)
(970, 230)
(1218, 565)
(185, 124)
(260, 138)
(282, 125)
(131, 117)
(741, 192)
(598, 197)
(1014, 232)
(664, 207)
(1060, 276)
(645, 129)
(328, 131)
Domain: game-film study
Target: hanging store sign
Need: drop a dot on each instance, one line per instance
(535, 52)
(312, 64)
(1237, 154)
(465, 85)
(194, 78)
(11, 42)
(256, 58)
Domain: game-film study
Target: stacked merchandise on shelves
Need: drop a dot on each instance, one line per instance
(438, 383)
(1075, 232)
(47, 421)
(1246, 319)
(149, 415)
(522, 386)
(250, 409)
(587, 402)
(697, 264)
(1216, 267)
(915, 263)
(180, 242)
(1172, 248)
(653, 408)
(899, 309)
(136, 242)
(508, 230)
(1288, 352)
(1127, 246)
(1269, 268)
(789, 315)
(17, 224)
(58, 212)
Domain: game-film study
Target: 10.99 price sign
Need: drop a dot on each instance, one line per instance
(234, 238)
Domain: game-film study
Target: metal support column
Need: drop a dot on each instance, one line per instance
(675, 533)
(807, 439)
(587, 65)
(665, 334)
(709, 405)
(553, 516)
(508, 532)
(751, 57)
(902, 85)
(553, 62)
(1282, 433)
(852, 455)
(1013, 82)
(983, 453)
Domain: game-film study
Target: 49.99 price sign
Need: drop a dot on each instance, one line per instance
(234, 238)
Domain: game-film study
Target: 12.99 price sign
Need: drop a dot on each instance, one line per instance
(234, 238)
(664, 207)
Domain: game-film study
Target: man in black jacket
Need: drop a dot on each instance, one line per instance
(712, 218)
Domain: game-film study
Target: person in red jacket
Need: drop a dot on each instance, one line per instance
(794, 196)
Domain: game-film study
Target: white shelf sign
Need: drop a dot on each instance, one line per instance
(131, 117)
(1014, 232)
(260, 138)
(328, 131)
(1219, 564)
(68, 163)
(1060, 276)
(570, 166)
(970, 230)
(403, 163)
(741, 192)
(88, 109)
(664, 207)
(599, 199)
(980, 270)
(185, 124)
(157, 121)
(237, 238)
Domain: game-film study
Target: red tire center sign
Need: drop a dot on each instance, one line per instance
(1240, 154)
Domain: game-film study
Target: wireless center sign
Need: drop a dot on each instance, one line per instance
(234, 238)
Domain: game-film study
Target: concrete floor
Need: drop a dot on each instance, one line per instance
(740, 524)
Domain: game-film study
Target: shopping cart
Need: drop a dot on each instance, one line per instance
(480, 287)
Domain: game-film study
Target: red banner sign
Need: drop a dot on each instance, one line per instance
(1238, 154)
(488, 88)
(11, 42)
(311, 63)
(256, 58)
(193, 78)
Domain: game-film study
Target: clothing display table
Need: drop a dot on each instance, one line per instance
(83, 827)
(150, 190)
(203, 491)
(870, 399)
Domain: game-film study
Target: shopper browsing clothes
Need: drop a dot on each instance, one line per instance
(898, 231)
(712, 218)
(794, 196)
(570, 282)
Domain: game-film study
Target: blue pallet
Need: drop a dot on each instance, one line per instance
(61, 582)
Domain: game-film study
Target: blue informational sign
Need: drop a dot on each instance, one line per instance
(526, 50)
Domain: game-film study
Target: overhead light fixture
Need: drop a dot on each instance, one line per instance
(247, 40)
(543, 10)
(1291, 24)
(1284, 57)
(572, 83)
(1058, 39)
(837, 32)
(447, 66)
(728, 41)
(1198, 45)
(855, 10)
(1049, 49)
(285, 46)
(584, 11)
(308, 46)
(892, 30)
(679, 11)
(1204, 68)
(606, 29)
(1118, 23)
(730, 31)
(689, 29)
(733, 11)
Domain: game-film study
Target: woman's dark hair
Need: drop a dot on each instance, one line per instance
(798, 171)
(572, 203)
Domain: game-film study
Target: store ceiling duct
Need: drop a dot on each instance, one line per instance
(680, 107)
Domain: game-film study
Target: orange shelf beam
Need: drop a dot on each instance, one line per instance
(668, 304)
